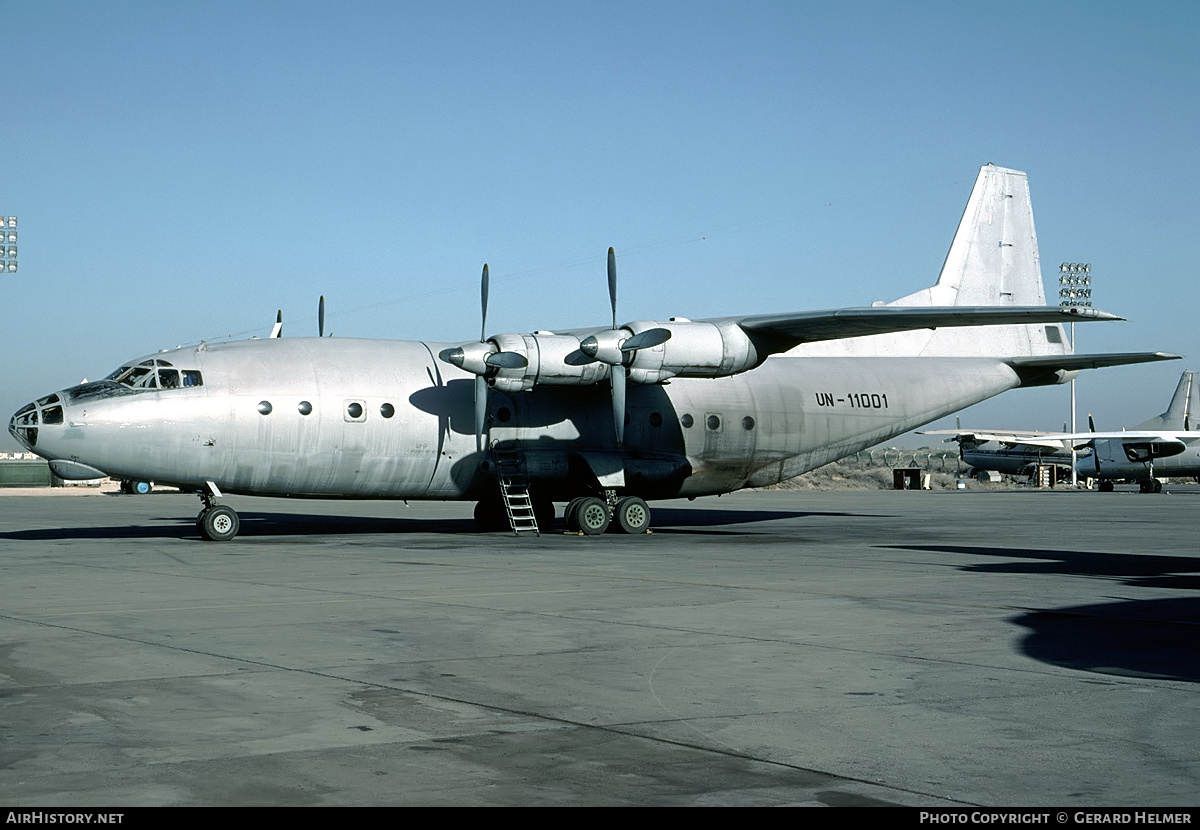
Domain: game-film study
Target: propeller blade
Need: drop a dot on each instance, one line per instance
(277, 330)
(578, 358)
(646, 340)
(483, 302)
(1095, 449)
(506, 360)
(618, 402)
(612, 283)
(321, 317)
(481, 384)
(481, 387)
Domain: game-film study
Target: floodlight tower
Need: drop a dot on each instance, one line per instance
(1075, 289)
(8, 244)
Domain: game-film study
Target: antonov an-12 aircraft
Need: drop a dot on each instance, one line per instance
(604, 418)
(1164, 446)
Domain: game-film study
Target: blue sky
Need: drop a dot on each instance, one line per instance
(181, 171)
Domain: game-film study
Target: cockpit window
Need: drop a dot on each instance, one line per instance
(135, 376)
(154, 374)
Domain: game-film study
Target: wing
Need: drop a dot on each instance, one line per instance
(1010, 437)
(784, 331)
(1164, 436)
(1138, 445)
(1003, 436)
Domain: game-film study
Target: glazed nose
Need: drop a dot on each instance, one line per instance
(23, 426)
(25, 421)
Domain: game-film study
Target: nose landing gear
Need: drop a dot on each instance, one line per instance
(216, 522)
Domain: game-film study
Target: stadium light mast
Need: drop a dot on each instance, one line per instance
(8, 244)
(1074, 290)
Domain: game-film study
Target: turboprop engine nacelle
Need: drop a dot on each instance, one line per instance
(695, 350)
(552, 359)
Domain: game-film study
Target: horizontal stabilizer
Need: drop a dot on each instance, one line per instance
(1074, 362)
(785, 331)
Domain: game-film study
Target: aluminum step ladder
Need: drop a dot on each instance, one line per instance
(514, 491)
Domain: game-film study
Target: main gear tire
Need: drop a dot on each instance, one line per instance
(632, 515)
(592, 516)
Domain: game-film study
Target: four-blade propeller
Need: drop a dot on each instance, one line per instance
(617, 350)
(615, 347)
(483, 360)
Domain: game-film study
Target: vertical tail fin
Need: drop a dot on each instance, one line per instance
(1184, 409)
(992, 261)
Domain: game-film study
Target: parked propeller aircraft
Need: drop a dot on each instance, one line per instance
(1012, 452)
(1165, 446)
(604, 418)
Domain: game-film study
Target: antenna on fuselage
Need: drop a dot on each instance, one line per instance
(277, 331)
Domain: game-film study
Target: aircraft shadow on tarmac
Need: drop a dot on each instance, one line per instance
(699, 520)
(1155, 638)
(254, 524)
(1138, 570)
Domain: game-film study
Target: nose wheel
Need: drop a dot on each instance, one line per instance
(216, 522)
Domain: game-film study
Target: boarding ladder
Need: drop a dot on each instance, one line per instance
(514, 491)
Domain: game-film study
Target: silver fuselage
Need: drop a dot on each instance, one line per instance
(990, 455)
(245, 428)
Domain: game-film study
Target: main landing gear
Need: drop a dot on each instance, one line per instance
(591, 515)
(216, 522)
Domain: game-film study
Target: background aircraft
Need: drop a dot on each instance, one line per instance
(603, 418)
(1012, 452)
(1164, 446)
